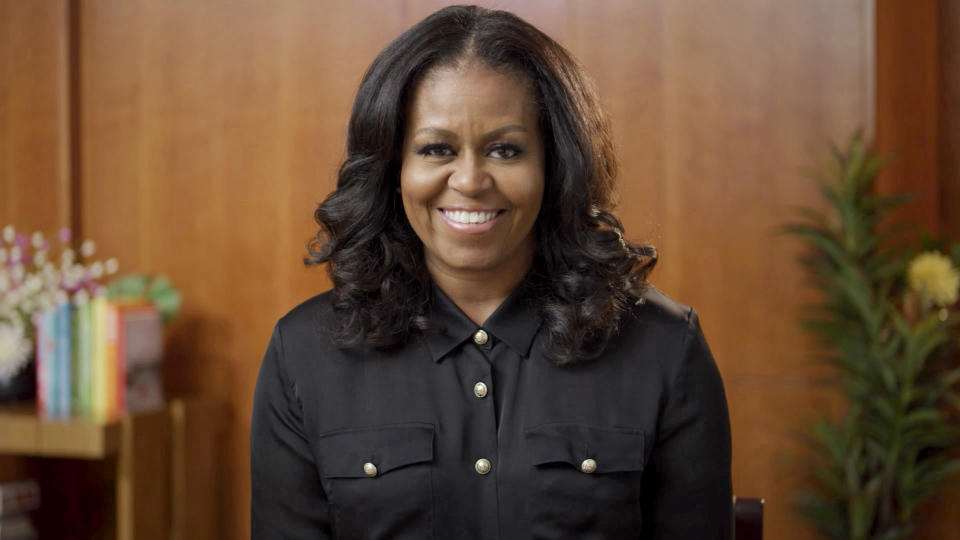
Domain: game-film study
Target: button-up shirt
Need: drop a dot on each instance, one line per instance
(471, 433)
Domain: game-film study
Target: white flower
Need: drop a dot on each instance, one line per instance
(37, 240)
(81, 297)
(15, 349)
(9, 233)
(112, 266)
(96, 270)
(75, 273)
(39, 258)
(13, 297)
(4, 281)
(33, 283)
(44, 300)
(67, 257)
(17, 272)
(88, 248)
(15, 254)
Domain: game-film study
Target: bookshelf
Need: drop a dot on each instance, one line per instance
(161, 463)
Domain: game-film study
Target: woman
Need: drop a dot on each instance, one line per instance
(491, 362)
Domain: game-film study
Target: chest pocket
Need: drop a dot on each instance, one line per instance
(586, 479)
(378, 480)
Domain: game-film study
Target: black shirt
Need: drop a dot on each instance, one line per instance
(472, 433)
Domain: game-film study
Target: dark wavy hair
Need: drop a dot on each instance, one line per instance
(584, 276)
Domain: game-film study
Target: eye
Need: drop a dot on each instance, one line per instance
(435, 150)
(505, 151)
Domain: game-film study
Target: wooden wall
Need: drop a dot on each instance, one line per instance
(207, 131)
(34, 114)
(918, 123)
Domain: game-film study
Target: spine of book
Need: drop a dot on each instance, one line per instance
(98, 391)
(63, 348)
(84, 356)
(75, 360)
(44, 346)
(110, 360)
(121, 369)
(18, 498)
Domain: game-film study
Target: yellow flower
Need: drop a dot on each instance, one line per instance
(933, 275)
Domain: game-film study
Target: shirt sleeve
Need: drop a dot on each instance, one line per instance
(687, 487)
(287, 499)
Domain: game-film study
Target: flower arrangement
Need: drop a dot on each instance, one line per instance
(887, 323)
(32, 278)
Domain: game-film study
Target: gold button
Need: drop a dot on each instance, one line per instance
(482, 466)
(588, 465)
(480, 337)
(369, 469)
(480, 390)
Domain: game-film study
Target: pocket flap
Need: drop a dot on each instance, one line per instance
(344, 452)
(613, 449)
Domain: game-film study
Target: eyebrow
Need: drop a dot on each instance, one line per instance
(490, 135)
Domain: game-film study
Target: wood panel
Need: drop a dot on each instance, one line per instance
(34, 132)
(715, 108)
(34, 115)
(949, 117)
(918, 121)
(938, 518)
(907, 103)
(213, 129)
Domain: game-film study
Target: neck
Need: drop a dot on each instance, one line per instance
(478, 293)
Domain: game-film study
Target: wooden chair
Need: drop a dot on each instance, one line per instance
(747, 518)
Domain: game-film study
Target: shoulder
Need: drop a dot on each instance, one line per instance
(659, 310)
(308, 321)
(666, 332)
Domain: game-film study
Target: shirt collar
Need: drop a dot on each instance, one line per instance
(515, 322)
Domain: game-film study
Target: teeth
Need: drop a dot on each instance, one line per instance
(461, 216)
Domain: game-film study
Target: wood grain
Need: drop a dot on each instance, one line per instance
(34, 115)
(907, 105)
(938, 517)
(213, 130)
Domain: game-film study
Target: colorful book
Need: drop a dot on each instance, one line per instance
(140, 357)
(98, 357)
(110, 361)
(62, 398)
(46, 343)
(83, 360)
(19, 497)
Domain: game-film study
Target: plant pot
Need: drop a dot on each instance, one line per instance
(20, 387)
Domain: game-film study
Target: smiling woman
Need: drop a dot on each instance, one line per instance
(491, 361)
(472, 181)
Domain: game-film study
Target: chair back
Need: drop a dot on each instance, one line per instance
(747, 518)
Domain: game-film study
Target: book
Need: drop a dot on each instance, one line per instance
(18, 527)
(110, 361)
(83, 360)
(98, 338)
(43, 321)
(140, 357)
(61, 371)
(19, 497)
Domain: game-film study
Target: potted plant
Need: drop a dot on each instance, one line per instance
(886, 322)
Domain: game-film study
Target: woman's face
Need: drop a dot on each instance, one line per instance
(472, 170)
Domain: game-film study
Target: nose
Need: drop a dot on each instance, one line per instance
(469, 177)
